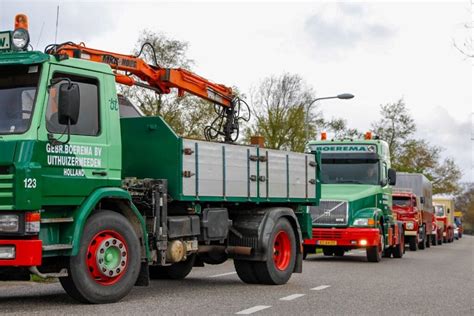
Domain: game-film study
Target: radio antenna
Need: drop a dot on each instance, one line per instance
(57, 26)
(41, 33)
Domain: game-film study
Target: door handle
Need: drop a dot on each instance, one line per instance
(99, 173)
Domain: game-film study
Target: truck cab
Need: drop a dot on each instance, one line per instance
(444, 213)
(355, 210)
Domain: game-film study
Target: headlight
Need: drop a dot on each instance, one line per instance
(410, 225)
(9, 223)
(363, 222)
(20, 38)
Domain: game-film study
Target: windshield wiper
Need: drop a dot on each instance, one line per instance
(349, 181)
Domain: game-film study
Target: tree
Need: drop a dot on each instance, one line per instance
(395, 127)
(339, 128)
(465, 203)
(279, 109)
(187, 115)
(415, 155)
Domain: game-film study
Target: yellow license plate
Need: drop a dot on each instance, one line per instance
(328, 242)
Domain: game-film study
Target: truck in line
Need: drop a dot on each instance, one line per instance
(355, 210)
(444, 213)
(105, 203)
(412, 203)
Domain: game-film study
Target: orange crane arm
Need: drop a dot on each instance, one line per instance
(160, 79)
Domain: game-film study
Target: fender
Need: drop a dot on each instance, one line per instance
(370, 212)
(83, 212)
(257, 227)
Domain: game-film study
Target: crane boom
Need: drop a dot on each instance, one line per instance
(160, 79)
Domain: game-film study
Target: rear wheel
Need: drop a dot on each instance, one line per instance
(281, 255)
(374, 253)
(433, 240)
(245, 271)
(108, 262)
(428, 241)
(399, 249)
(176, 271)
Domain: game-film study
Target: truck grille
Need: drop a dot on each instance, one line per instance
(6, 189)
(332, 213)
(327, 234)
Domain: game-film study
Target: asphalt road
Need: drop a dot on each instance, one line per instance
(436, 281)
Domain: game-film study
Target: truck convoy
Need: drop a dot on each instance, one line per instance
(444, 213)
(355, 210)
(105, 203)
(412, 203)
(458, 222)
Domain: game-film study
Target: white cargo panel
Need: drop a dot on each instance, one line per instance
(225, 170)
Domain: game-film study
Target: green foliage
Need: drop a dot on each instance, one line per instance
(415, 155)
(465, 203)
(279, 107)
(187, 115)
(338, 127)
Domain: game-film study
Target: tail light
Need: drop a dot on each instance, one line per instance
(32, 222)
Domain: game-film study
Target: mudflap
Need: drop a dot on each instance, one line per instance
(144, 275)
(255, 228)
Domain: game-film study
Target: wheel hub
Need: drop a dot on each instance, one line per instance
(107, 257)
(282, 251)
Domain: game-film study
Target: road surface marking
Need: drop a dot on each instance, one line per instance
(222, 274)
(252, 310)
(291, 297)
(319, 288)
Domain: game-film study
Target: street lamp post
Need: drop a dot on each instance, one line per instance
(343, 96)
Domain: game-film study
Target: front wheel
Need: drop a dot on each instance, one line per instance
(433, 240)
(374, 253)
(108, 262)
(399, 249)
(413, 243)
(421, 242)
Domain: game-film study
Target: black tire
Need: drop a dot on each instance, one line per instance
(267, 271)
(176, 271)
(428, 241)
(440, 241)
(387, 253)
(433, 240)
(399, 249)
(339, 252)
(80, 284)
(328, 252)
(374, 253)
(413, 244)
(421, 242)
(245, 271)
(213, 257)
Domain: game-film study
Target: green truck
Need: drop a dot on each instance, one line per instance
(105, 202)
(355, 210)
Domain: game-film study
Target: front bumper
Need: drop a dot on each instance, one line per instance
(346, 237)
(27, 253)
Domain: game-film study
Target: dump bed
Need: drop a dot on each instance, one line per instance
(210, 171)
(419, 185)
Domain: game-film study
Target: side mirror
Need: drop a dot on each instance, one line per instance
(392, 176)
(68, 103)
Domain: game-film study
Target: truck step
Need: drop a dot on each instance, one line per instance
(57, 247)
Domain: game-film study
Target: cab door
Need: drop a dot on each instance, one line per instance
(72, 169)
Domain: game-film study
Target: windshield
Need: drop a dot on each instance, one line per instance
(358, 171)
(402, 201)
(18, 85)
(439, 210)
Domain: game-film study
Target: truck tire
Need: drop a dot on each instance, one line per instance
(440, 241)
(413, 243)
(421, 242)
(281, 255)
(434, 242)
(428, 241)
(399, 250)
(339, 252)
(176, 271)
(374, 253)
(108, 262)
(245, 271)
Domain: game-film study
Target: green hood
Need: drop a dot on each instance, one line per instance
(348, 192)
(7, 152)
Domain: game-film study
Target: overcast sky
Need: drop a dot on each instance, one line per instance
(380, 52)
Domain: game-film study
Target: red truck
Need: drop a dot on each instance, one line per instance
(412, 202)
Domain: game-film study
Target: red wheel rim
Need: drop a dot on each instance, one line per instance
(107, 257)
(282, 250)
